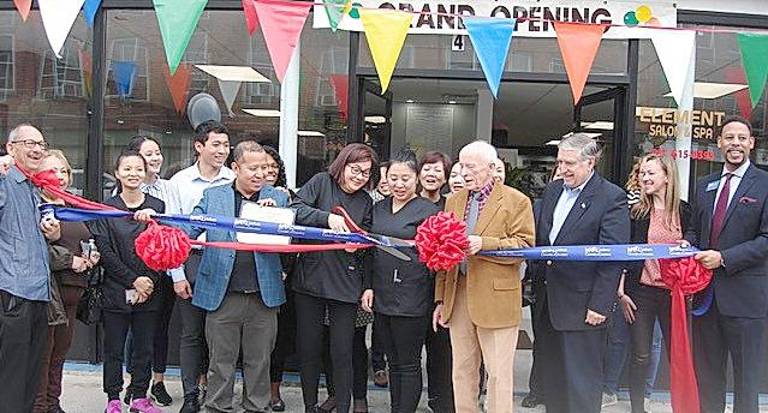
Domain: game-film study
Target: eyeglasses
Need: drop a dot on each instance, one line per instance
(357, 171)
(30, 144)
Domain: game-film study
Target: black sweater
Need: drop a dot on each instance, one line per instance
(401, 288)
(639, 235)
(335, 275)
(115, 240)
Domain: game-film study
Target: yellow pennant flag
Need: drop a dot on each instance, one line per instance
(385, 31)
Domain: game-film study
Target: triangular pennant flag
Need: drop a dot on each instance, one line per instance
(578, 44)
(385, 31)
(340, 85)
(734, 74)
(124, 73)
(178, 85)
(251, 18)
(334, 9)
(58, 17)
(23, 6)
(674, 48)
(229, 90)
(89, 10)
(281, 23)
(754, 58)
(178, 20)
(86, 66)
(491, 39)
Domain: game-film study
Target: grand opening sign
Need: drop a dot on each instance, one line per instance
(532, 18)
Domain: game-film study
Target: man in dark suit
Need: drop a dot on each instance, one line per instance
(731, 228)
(582, 208)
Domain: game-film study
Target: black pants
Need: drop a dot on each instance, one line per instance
(714, 337)
(23, 339)
(286, 339)
(652, 303)
(404, 338)
(359, 365)
(378, 361)
(535, 385)
(193, 350)
(116, 325)
(167, 299)
(439, 362)
(572, 363)
(310, 312)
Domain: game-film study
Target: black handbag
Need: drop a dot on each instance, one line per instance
(91, 304)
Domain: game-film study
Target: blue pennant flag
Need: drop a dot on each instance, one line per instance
(90, 7)
(124, 74)
(491, 39)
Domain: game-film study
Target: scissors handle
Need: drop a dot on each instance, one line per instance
(339, 210)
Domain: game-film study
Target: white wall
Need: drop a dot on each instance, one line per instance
(730, 6)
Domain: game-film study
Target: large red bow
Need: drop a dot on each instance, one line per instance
(684, 276)
(442, 241)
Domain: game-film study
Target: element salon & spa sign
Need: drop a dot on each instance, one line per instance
(533, 17)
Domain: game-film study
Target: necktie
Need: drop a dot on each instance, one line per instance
(721, 207)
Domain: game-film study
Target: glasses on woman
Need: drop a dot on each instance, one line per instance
(357, 171)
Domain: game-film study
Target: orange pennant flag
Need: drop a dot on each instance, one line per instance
(578, 44)
(178, 84)
(23, 6)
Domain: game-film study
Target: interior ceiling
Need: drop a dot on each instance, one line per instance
(531, 113)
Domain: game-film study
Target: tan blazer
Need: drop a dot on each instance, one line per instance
(493, 284)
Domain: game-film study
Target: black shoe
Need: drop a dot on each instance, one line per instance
(531, 400)
(161, 395)
(190, 405)
(57, 409)
(128, 396)
(277, 406)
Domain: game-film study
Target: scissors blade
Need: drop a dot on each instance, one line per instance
(394, 252)
(388, 241)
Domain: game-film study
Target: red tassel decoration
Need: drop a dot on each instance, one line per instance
(162, 247)
(442, 241)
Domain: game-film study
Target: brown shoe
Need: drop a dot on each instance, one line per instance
(360, 406)
(381, 379)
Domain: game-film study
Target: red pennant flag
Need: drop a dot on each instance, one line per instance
(735, 74)
(578, 44)
(251, 19)
(340, 85)
(23, 6)
(281, 22)
(178, 85)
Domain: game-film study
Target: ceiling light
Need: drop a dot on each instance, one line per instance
(706, 90)
(599, 125)
(263, 113)
(312, 133)
(451, 102)
(234, 73)
(409, 101)
(553, 142)
(375, 119)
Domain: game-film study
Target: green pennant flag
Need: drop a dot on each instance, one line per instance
(178, 21)
(754, 59)
(334, 9)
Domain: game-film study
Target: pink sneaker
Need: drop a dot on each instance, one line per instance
(143, 406)
(114, 406)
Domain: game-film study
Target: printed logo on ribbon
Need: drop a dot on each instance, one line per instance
(640, 251)
(285, 229)
(678, 251)
(202, 218)
(597, 252)
(247, 223)
(554, 252)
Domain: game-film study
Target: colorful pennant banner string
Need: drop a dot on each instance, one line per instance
(385, 32)
(178, 21)
(281, 23)
(491, 39)
(89, 11)
(578, 45)
(178, 85)
(23, 6)
(754, 58)
(251, 18)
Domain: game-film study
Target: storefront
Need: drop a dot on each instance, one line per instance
(438, 97)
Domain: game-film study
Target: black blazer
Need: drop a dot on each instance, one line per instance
(741, 287)
(639, 235)
(599, 216)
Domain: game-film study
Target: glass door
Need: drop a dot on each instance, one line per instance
(375, 117)
(600, 115)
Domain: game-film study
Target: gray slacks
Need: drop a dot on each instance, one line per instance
(241, 322)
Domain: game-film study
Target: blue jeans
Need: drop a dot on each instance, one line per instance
(616, 351)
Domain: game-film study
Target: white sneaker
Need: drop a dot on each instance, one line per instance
(647, 404)
(609, 399)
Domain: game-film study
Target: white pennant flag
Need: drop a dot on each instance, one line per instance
(675, 48)
(58, 17)
(229, 90)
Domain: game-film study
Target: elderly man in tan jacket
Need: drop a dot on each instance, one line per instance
(480, 299)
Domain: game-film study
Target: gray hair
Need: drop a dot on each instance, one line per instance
(13, 135)
(483, 148)
(586, 146)
(245, 146)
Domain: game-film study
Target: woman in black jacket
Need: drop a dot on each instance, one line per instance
(403, 290)
(659, 217)
(331, 280)
(128, 286)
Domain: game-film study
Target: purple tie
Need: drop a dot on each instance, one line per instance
(721, 207)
